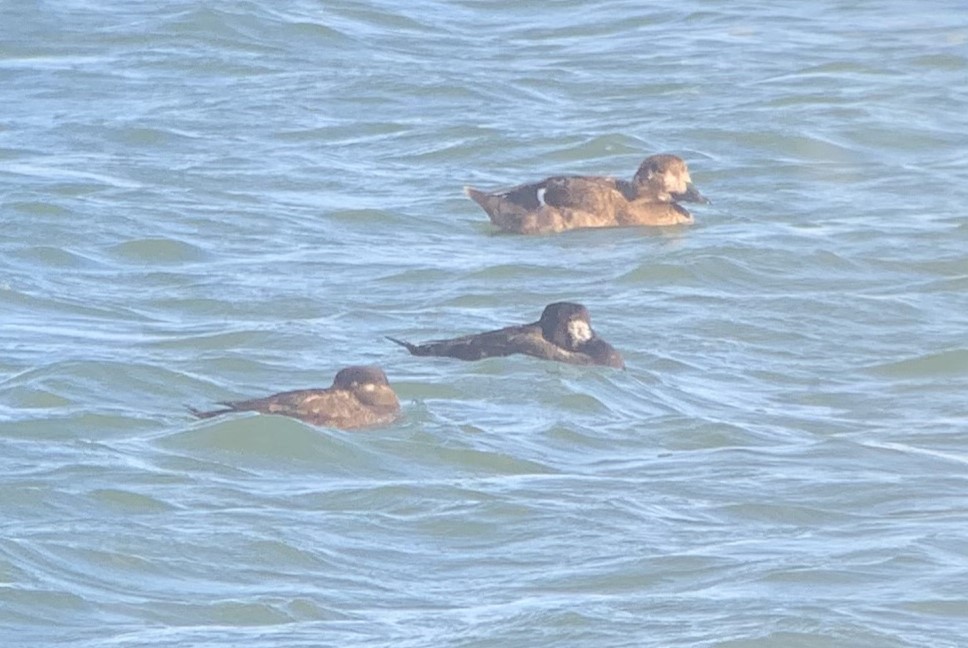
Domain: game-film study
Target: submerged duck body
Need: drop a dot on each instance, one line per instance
(562, 203)
(358, 397)
(564, 334)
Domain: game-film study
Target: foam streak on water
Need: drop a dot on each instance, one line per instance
(208, 201)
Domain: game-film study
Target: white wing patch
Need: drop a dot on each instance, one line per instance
(541, 194)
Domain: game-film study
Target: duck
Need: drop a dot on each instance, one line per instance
(562, 203)
(360, 396)
(563, 333)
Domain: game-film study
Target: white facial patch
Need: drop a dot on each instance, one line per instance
(671, 182)
(579, 331)
(540, 194)
(368, 387)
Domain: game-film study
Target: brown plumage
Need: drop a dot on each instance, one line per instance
(570, 202)
(564, 334)
(358, 397)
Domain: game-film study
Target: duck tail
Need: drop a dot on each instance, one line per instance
(502, 213)
(412, 348)
(485, 200)
(197, 413)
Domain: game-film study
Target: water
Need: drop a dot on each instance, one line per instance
(221, 200)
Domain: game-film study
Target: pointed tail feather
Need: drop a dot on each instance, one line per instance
(504, 213)
(197, 413)
(412, 348)
(485, 200)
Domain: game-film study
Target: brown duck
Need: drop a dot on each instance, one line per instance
(564, 333)
(358, 397)
(570, 202)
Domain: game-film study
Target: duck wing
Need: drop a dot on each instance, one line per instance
(491, 344)
(291, 403)
(589, 194)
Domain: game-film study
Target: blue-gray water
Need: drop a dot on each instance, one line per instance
(207, 201)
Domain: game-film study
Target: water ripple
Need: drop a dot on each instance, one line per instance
(204, 203)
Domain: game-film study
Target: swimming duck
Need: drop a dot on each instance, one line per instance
(564, 333)
(570, 202)
(358, 397)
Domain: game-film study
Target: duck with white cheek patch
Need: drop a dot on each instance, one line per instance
(564, 334)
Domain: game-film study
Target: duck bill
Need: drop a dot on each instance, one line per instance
(691, 194)
(603, 353)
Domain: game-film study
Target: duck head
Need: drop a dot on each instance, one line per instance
(368, 384)
(569, 326)
(665, 178)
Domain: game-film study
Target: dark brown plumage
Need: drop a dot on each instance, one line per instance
(563, 334)
(358, 397)
(570, 202)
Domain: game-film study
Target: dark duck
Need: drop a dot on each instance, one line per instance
(359, 397)
(564, 334)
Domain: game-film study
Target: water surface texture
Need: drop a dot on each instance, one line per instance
(219, 200)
